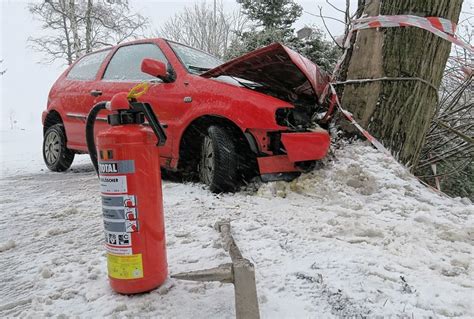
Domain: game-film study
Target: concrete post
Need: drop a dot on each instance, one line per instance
(245, 289)
(240, 272)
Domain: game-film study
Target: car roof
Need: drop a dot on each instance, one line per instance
(112, 47)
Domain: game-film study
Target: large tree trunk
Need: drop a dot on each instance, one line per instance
(398, 113)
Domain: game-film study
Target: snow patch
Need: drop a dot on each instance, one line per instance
(46, 273)
(335, 242)
(7, 245)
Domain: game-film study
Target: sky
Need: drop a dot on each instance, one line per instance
(24, 87)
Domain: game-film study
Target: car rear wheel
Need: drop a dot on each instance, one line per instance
(56, 155)
(218, 167)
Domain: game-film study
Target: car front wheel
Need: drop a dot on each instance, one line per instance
(56, 155)
(218, 167)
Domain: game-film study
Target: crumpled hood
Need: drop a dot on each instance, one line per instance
(283, 71)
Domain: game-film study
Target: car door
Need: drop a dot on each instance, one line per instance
(75, 96)
(124, 72)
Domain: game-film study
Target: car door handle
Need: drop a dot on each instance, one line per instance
(96, 93)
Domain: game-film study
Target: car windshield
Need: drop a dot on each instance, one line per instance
(194, 60)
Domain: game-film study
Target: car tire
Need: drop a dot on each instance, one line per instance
(56, 155)
(218, 166)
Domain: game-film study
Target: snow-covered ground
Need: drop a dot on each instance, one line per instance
(359, 237)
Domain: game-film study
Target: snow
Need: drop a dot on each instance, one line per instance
(357, 237)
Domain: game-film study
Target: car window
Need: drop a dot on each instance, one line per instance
(88, 66)
(194, 60)
(126, 62)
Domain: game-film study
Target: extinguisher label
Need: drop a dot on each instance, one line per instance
(118, 250)
(117, 167)
(113, 213)
(131, 213)
(113, 184)
(131, 226)
(118, 238)
(114, 225)
(108, 168)
(118, 201)
(121, 226)
(125, 267)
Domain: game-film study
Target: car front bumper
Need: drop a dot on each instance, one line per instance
(300, 147)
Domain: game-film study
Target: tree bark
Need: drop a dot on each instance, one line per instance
(74, 28)
(69, 51)
(398, 113)
(88, 19)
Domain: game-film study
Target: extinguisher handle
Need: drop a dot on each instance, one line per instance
(152, 120)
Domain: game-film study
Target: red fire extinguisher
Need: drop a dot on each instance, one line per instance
(130, 182)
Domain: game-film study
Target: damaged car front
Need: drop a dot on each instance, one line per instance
(298, 83)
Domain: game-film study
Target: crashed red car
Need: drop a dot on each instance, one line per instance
(225, 122)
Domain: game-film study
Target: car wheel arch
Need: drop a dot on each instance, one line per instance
(198, 127)
(51, 119)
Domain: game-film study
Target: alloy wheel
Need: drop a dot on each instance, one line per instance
(52, 147)
(207, 162)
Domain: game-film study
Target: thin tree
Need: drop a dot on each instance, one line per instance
(12, 119)
(2, 72)
(398, 113)
(205, 27)
(73, 28)
(447, 157)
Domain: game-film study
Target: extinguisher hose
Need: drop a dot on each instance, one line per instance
(90, 133)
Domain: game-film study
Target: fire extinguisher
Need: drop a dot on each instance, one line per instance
(130, 182)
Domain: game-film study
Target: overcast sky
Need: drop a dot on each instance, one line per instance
(25, 86)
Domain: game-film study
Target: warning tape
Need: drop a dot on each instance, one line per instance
(373, 140)
(441, 27)
(350, 118)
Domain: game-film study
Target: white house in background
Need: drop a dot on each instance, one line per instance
(304, 32)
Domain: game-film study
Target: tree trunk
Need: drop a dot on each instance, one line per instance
(398, 113)
(69, 49)
(74, 28)
(88, 19)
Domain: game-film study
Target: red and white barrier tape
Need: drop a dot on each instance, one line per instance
(350, 118)
(373, 140)
(439, 26)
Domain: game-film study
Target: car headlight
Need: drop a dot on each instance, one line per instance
(293, 118)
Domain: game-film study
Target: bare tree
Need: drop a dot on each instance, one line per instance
(2, 72)
(12, 119)
(205, 27)
(447, 158)
(76, 27)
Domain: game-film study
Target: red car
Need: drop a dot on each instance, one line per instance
(225, 122)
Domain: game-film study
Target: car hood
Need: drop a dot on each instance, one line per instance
(285, 73)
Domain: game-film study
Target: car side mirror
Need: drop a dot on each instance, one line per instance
(155, 68)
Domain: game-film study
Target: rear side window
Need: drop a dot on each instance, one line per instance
(126, 62)
(88, 66)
